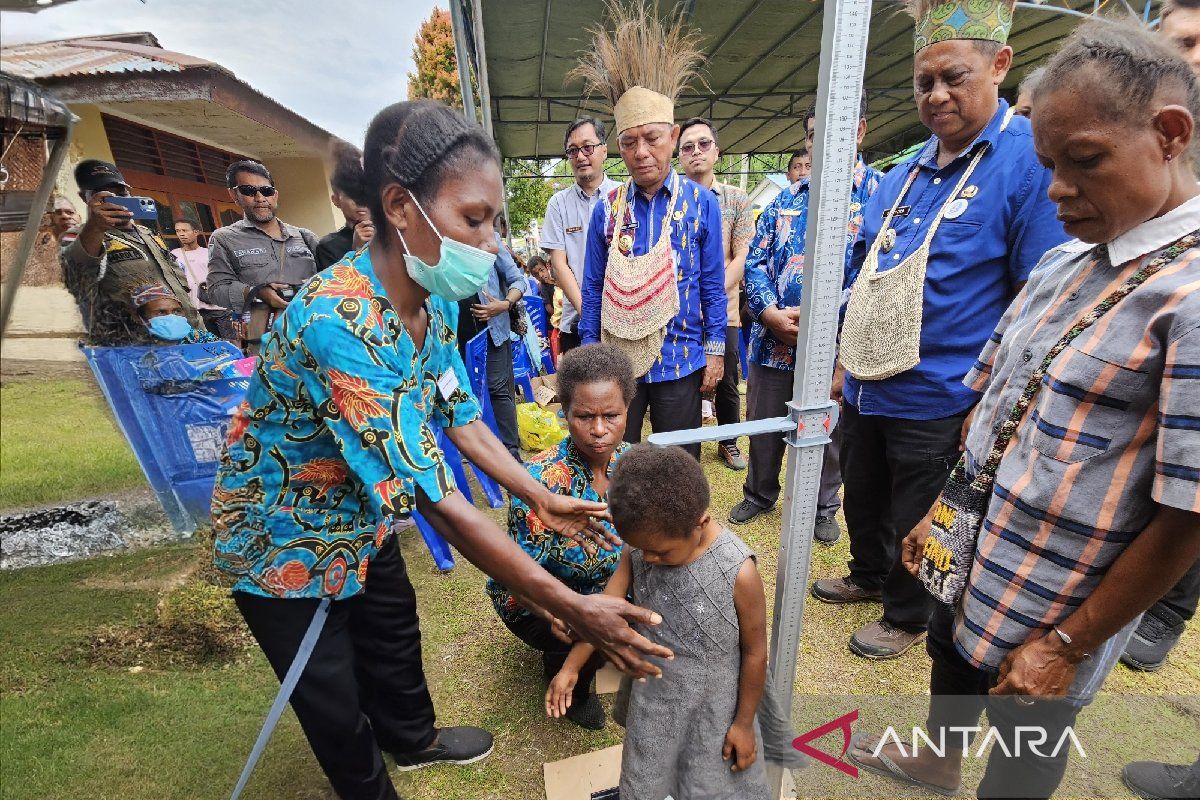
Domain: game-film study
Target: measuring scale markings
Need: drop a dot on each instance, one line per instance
(811, 415)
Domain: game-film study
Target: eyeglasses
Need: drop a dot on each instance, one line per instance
(703, 145)
(586, 149)
(245, 190)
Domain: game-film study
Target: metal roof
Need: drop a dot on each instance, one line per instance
(761, 59)
(95, 55)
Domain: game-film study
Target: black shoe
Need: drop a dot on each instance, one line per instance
(745, 511)
(1156, 634)
(587, 714)
(827, 530)
(1154, 781)
(462, 745)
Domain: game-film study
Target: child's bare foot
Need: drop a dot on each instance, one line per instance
(923, 768)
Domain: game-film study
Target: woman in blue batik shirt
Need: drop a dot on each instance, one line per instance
(335, 442)
(595, 385)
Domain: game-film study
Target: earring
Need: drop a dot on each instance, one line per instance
(1168, 157)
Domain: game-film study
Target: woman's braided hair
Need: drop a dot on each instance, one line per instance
(1135, 65)
(419, 144)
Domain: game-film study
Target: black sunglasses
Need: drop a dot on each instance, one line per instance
(586, 149)
(249, 191)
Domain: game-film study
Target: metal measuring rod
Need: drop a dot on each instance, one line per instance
(811, 414)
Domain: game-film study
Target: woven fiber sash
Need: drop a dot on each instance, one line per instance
(881, 336)
(961, 509)
(641, 293)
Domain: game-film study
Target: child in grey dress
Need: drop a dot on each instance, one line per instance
(691, 735)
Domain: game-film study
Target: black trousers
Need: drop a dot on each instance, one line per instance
(959, 694)
(892, 471)
(1183, 597)
(729, 399)
(364, 686)
(568, 340)
(502, 391)
(535, 632)
(674, 406)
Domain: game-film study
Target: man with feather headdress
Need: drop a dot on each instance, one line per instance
(946, 242)
(654, 273)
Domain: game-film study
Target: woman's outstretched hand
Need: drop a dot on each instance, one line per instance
(604, 622)
(577, 519)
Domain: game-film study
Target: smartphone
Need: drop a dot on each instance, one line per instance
(141, 207)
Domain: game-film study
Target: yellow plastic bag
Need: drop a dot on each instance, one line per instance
(538, 427)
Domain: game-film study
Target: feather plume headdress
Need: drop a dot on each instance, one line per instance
(641, 65)
(989, 20)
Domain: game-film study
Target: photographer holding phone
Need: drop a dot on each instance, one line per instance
(112, 255)
(257, 263)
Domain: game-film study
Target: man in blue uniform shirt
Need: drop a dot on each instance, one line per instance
(974, 199)
(774, 287)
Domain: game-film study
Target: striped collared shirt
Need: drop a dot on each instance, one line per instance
(1111, 435)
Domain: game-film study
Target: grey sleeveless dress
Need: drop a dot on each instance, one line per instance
(675, 726)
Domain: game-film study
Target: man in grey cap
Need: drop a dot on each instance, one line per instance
(111, 256)
(257, 263)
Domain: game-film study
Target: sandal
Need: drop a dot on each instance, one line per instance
(892, 769)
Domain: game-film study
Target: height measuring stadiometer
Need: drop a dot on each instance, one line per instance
(811, 414)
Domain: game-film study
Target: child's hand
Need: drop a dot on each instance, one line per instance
(741, 746)
(558, 696)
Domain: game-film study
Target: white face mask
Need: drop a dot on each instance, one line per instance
(460, 271)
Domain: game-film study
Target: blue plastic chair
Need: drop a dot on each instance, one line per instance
(443, 556)
(537, 314)
(476, 363)
(523, 370)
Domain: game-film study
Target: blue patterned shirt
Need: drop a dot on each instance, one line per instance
(699, 253)
(775, 265)
(564, 471)
(335, 436)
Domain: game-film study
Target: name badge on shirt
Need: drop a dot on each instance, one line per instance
(788, 212)
(447, 383)
(902, 211)
(575, 229)
(629, 226)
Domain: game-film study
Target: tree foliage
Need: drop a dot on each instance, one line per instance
(527, 197)
(436, 76)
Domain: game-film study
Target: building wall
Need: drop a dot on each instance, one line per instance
(88, 141)
(304, 194)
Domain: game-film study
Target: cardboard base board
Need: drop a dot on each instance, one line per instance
(576, 778)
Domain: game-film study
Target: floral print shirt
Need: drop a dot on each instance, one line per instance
(562, 470)
(335, 436)
(775, 265)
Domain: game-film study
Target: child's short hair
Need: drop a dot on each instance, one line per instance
(658, 490)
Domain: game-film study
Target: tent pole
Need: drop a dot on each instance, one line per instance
(58, 155)
(462, 56)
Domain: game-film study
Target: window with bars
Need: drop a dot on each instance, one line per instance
(159, 153)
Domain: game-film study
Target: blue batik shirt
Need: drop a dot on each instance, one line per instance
(335, 436)
(562, 470)
(977, 260)
(699, 254)
(775, 265)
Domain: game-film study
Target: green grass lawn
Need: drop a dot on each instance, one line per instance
(58, 442)
(70, 728)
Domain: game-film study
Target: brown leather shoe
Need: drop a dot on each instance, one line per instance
(879, 641)
(843, 590)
